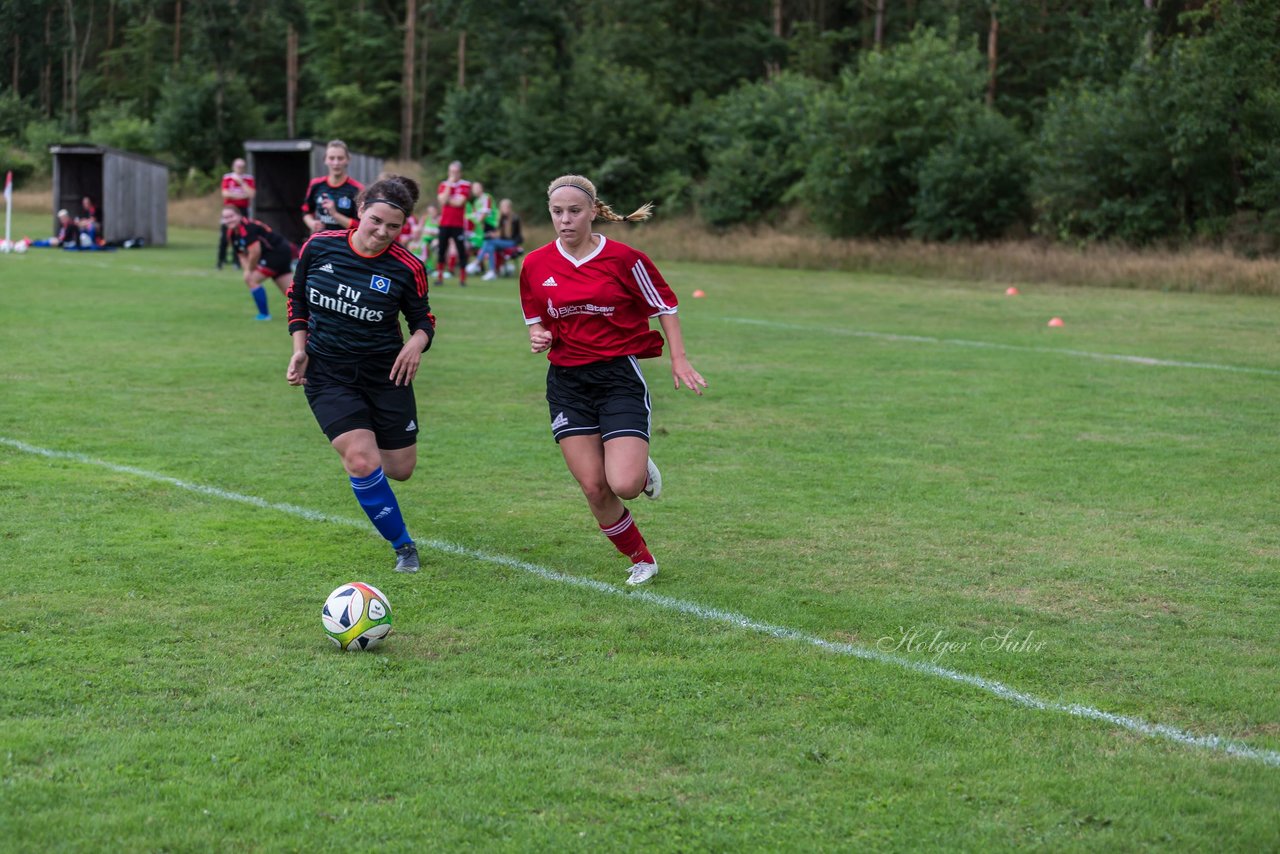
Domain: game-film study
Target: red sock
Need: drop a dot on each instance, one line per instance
(626, 538)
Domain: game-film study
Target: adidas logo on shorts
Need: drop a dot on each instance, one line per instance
(560, 421)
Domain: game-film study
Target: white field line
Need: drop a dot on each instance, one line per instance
(991, 345)
(715, 615)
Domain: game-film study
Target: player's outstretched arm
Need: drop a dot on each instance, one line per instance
(681, 369)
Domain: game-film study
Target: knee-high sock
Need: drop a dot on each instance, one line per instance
(260, 297)
(626, 538)
(380, 505)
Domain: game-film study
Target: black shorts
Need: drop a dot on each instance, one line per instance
(358, 395)
(609, 398)
(276, 262)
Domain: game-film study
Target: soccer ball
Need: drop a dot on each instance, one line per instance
(20, 246)
(5, 247)
(356, 616)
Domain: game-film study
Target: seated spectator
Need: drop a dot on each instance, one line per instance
(68, 232)
(89, 223)
(499, 242)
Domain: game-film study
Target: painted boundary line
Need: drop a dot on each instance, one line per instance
(714, 615)
(991, 345)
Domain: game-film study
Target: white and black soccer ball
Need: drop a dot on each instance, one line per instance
(356, 616)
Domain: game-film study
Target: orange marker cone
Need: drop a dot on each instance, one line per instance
(699, 294)
(1056, 321)
(1011, 292)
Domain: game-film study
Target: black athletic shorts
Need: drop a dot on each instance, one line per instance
(356, 395)
(276, 262)
(609, 398)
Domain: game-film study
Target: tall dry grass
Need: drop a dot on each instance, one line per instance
(1010, 262)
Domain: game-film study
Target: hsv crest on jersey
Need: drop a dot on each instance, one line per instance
(381, 284)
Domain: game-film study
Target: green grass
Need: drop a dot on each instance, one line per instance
(169, 688)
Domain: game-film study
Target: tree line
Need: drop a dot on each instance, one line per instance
(1082, 120)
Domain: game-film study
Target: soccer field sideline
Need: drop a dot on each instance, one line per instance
(998, 689)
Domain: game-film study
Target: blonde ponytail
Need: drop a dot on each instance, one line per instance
(603, 211)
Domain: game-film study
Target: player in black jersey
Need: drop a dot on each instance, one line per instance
(348, 294)
(262, 255)
(330, 201)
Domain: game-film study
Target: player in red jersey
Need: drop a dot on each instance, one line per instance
(331, 199)
(453, 193)
(588, 302)
(349, 292)
(238, 190)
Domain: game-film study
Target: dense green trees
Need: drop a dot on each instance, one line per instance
(1135, 120)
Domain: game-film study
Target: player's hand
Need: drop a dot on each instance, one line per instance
(539, 338)
(297, 372)
(406, 364)
(682, 371)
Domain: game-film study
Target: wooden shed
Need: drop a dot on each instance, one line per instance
(130, 191)
(282, 169)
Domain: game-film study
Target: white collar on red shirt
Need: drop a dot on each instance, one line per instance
(574, 261)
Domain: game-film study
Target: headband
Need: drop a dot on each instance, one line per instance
(575, 186)
(368, 203)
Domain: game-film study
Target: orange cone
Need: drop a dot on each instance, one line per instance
(1011, 292)
(699, 294)
(1057, 321)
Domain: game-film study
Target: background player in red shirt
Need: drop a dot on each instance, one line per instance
(588, 302)
(453, 194)
(238, 189)
(331, 199)
(349, 292)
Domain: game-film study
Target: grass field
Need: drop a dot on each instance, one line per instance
(934, 576)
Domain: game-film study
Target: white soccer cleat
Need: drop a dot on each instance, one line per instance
(489, 276)
(642, 572)
(473, 268)
(653, 485)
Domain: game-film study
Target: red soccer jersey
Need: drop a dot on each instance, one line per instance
(229, 182)
(451, 216)
(598, 308)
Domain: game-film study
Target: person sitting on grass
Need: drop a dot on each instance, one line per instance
(68, 232)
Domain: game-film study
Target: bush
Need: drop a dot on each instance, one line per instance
(620, 148)
(974, 185)
(118, 126)
(203, 121)
(1103, 166)
(38, 136)
(871, 132)
(15, 115)
(754, 150)
(18, 162)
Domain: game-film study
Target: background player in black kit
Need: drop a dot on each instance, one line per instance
(348, 294)
(262, 253)
(330, 201)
